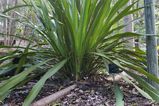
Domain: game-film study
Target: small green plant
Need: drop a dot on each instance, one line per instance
(82, 37)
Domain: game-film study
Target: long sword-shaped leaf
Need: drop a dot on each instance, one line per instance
(136, 86)
(123, 64)
(10, 83)
(37, 87)
(15, 7)
(153, 92)
(119, 96)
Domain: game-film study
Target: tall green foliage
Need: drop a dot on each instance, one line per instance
(82, 37)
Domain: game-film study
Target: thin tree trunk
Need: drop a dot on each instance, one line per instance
(12, 28)
(9, 26)
(137, 40)
(151, 40)
(129, 28)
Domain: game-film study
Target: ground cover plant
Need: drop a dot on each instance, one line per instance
(78, 38)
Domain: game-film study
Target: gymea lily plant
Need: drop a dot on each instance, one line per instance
(83, 36)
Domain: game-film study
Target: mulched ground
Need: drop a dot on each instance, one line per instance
(94, 91)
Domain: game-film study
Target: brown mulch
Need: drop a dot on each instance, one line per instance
(94, 91)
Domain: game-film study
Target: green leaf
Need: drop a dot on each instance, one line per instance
(37, 87)
(153, 92)
(23, 59)
(13, 81)
(15, 7)
(7, 68)
(146, 95)
(119, 96)
(17, 36)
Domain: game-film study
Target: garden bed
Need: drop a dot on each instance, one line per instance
(95, 91)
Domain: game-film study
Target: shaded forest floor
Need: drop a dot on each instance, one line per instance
(95, 91)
